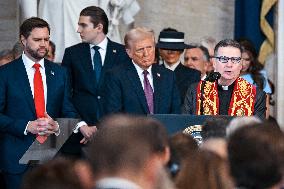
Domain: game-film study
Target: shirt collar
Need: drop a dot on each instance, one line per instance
(227, 88)
(140, 70)
(204, 77)
(102, 45)
(172, 66)
(116, 182)
(29, 63)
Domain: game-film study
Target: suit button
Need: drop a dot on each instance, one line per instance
(98, 97)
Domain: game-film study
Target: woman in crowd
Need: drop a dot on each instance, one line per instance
(253, 71)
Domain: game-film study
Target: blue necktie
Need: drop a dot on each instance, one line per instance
(97, 63)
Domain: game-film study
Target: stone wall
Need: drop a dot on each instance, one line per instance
(9, 25)
(196, 18)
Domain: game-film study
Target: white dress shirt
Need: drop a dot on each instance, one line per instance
(116, 182)
(31, 71)
(102, 50)
(141, 75)
(172, 66)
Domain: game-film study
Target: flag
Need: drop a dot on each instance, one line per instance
(254, 21)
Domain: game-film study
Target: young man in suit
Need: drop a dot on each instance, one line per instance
(141, 87)
(171, 46)
(87, 63)
(33, 91)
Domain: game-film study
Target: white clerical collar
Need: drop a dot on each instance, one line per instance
(225, 88)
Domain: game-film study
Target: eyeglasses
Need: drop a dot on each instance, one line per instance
(225, 59)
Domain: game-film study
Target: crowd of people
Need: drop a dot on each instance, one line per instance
(98, 78)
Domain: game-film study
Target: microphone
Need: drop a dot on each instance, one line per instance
(213, 76)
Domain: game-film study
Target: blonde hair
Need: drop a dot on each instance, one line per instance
(136, 34)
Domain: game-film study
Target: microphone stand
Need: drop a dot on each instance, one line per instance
(202, 97)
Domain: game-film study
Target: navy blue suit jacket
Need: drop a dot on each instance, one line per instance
(88, 97)
(125, 92)
(185, 77)
(17, 108)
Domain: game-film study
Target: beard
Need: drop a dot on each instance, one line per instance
(35, 53)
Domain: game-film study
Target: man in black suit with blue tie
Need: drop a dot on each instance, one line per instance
(171, 46)
(87, 63)
(141, 87)
(33, 91)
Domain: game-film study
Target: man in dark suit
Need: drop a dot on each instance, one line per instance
(197, 57)
(228, 95)
(141, 87)
(33, 91)
(171, 46)
(87, 66)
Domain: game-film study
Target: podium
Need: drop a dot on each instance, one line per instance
(179, 122)
(38, 153)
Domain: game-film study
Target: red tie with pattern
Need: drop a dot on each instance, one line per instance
(39, 98)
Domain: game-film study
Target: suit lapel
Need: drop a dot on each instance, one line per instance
(157, 87)
(24, 84)
(85, 60)
(111, 54)
(50, 82)
(135, 81)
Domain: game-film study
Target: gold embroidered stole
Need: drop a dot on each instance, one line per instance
(241, 104)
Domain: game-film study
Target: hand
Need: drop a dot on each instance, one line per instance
(37, 126)
(52, 126)
(87, 132)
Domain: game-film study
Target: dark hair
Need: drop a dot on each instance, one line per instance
(98, 16)
(202, 48)
(57, 173)
(181, 147)
(29, 24)
(256, 156)
(255, 66)
(214, 127)
(125, 142)
(204, 170)
(18, 49)
(227, 43)
(53, 47)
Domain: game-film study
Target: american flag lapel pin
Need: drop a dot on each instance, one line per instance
(114, 50)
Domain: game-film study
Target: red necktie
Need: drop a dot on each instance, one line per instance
(39, 98)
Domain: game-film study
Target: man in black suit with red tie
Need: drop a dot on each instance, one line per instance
(33, 91)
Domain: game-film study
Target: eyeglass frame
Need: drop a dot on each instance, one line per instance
(234, 60)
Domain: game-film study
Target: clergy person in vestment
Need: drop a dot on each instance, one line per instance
(230, 94)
